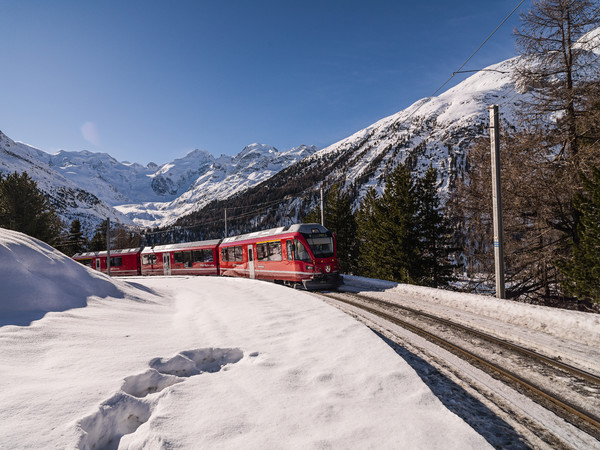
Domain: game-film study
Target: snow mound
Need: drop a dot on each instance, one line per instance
(124, 412)
(37, 278)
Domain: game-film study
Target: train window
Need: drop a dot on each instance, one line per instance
(232, 254)
(205, 255)
(149, 259)
(239, 255)
(116, 261)
(184, 258)
(300, 251)
(321, 245)
(275, 251)
(262, 251)
(269, 251)
(290, 250)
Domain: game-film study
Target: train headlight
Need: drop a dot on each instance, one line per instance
(327, 269)
(310, 268)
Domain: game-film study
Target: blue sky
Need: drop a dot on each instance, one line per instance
(152, 80)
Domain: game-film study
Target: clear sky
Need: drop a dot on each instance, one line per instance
(152, 80)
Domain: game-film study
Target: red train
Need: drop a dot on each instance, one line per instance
(301, 254)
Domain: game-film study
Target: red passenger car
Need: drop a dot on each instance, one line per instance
(300, 254)
(190, 258)
(125, 262)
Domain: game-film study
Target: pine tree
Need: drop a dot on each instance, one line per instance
(403, 235)
(434, 233)
(75, 240)
(340, 220)
(397, 229)
(98, 241)
(583, 272)
(367, 218)
(313, 216)
(25, 208)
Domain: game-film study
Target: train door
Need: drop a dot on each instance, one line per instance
(98, 264)
(166, 263)
(251, 261)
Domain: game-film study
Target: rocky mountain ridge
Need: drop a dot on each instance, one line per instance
(93, 186)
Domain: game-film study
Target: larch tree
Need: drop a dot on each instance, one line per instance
(553, 66)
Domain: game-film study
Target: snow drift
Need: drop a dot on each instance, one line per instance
(37, 279)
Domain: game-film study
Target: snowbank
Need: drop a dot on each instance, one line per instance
(573, 325)
(36, 278)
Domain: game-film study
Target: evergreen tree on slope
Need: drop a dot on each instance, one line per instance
(24, 208)
(367, 218)
(434, 233)
(340, 220)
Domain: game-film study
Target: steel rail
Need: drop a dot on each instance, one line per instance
(587, 417)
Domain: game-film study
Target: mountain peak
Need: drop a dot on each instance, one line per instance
(257, 150)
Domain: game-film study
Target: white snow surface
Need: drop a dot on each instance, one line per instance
(196, 362)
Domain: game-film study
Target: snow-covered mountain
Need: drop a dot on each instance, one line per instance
(149, 195)
(219, 179)
(431, 132)
(437, 131)
(68, 197)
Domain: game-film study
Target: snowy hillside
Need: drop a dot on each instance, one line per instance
(221, 179)
(435, 132)
(68, 197)
(149, 195)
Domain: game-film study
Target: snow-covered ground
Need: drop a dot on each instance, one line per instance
(204, 362)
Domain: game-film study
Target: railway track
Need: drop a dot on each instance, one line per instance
(568, 391)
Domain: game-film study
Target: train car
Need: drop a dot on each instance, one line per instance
(301, 254)
(190, 258)
(124, 262)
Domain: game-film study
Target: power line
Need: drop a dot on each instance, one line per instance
(468, 59)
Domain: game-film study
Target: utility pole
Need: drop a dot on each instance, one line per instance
(497, 201)
(322, 210)
(108, 246)
(225, 222)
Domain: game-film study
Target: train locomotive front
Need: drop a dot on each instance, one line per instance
(301, 254)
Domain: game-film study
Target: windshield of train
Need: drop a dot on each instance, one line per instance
(321, 244)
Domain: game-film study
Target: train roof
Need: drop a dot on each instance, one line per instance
(183, 245)
(116, 252)
(307, 228)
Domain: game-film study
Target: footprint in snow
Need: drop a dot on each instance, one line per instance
(127, 410)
